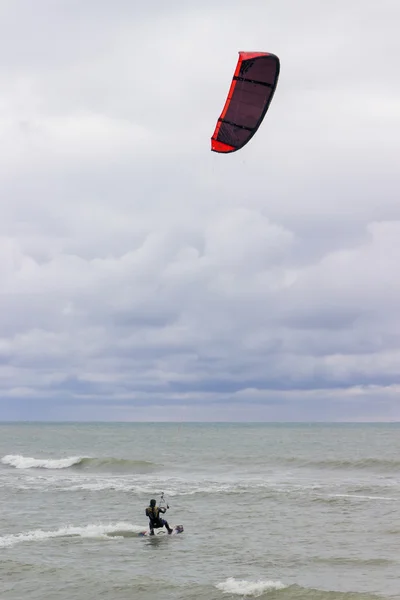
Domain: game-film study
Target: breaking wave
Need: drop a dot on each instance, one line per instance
(267, 588)
(113, 530)
(242, 587)
(78, 462)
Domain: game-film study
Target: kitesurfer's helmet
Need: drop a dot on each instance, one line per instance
(152, 502)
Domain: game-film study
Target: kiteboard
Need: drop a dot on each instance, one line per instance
(175, 530)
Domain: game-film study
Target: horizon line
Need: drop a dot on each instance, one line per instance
(152, 422)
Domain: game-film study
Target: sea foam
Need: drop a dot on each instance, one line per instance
(120, 529)
(26, 462)
(242, 587)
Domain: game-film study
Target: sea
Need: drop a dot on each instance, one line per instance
(273, 511)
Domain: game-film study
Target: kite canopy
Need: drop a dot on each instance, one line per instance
(252, 89)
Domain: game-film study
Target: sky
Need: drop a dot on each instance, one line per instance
(144, 277)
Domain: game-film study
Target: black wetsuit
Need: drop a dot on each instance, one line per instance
(155, 521)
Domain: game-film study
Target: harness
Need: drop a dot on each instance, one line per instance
(153, 513)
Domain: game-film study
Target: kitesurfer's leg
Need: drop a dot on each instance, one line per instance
(167, 526)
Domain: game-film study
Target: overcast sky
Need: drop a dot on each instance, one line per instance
(143, 277)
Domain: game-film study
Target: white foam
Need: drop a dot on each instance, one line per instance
(360, 497)
(88, 531)
(26, 462)
(242, 587)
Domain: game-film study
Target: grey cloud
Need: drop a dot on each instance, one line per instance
(139, 272)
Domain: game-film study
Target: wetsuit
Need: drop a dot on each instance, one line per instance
(155, 521)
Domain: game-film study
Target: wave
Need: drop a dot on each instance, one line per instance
(125, 484)
(78, 462)
(26, 462)
(117, 464)
(242, 587)
(112, 530)
(180, 487)
(268, 588)
(361, 463)
(139, 485)
(344, 498)
(357, 562)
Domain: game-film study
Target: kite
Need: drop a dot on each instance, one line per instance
(252, 89)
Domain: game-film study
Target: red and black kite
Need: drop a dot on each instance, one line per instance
(252, 89)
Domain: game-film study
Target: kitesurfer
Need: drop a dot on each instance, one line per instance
(155, 521)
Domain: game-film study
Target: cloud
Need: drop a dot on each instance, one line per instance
(142, 276)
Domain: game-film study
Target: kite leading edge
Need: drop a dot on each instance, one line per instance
(252, 89)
